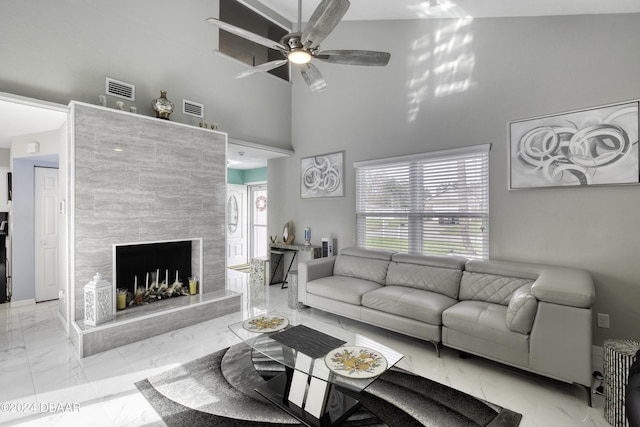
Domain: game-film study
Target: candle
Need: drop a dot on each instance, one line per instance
(121, 299)
(146, 282)
(135, 285)
(157, 275)
(166, 277)
(176, 275)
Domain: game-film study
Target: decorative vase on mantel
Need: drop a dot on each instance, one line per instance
(162, 106)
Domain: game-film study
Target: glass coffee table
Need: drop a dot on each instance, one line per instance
(320, 360)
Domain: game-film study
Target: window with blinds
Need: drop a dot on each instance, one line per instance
(431, 203)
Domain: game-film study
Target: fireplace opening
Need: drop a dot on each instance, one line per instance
(143, 264)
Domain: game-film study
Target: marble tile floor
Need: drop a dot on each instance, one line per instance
(43, 383)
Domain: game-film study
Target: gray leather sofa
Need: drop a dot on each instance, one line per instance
(533, 317)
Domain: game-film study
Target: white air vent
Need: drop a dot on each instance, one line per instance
(120, 89)
(192, 108)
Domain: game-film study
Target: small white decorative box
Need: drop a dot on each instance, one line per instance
(98, 301)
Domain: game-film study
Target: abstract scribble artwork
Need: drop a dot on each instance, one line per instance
(322, 176)
(597, 146)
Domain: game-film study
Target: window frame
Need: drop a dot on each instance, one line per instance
(457, 220)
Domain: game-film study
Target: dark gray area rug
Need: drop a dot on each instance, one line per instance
(218, 390)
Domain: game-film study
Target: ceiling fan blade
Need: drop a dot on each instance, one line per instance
(312, 76)
(241, 32)
(267, 66)
(355, 57)
(323, 20)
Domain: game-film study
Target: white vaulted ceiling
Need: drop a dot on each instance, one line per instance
(424, 9)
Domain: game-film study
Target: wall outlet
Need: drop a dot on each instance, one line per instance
(603, 320)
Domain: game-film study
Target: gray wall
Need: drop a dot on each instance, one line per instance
(5, 157)
(168, 182)
(454, 83)
(63, 50)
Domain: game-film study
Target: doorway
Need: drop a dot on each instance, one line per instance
(258, 221)
(237, 241)
(247, 235)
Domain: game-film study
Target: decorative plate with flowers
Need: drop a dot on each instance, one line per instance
(356, 362)
(266, 323)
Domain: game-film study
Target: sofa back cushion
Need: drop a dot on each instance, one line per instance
(382, 254)
(489, 287)
(444, 281)
(374, 270)
(444, 261)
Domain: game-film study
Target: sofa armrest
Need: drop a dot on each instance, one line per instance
(312, 270)
(560, 342)
(564, 286)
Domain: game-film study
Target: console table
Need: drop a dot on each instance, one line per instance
(278, 262)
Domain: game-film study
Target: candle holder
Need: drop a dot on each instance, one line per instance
(98, 301)
(121, 298)
(193, 285)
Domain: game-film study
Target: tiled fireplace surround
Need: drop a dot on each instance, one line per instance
(140, 179)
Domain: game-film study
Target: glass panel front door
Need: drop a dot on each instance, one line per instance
(258, 229)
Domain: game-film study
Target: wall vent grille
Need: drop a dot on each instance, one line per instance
(192, 108)
(120, 89)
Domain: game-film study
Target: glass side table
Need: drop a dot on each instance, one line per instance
(319, 360)
(618, 357)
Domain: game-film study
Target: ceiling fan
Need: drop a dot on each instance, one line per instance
(303, 46)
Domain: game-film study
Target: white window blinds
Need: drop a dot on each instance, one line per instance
(433, 203)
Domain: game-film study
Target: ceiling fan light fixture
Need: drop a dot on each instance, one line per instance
(299, 56)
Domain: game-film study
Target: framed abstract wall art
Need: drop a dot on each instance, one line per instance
(589, 147)
(322, 176)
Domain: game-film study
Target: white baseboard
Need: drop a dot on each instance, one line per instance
(22, 303)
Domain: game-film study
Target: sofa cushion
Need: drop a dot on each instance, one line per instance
(489, 287)
(485, 321)
(342, 288)
(374, 270)
(441, 280)
(521, 310)
(413, 303)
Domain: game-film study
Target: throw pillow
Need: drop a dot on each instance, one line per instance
(522, 310)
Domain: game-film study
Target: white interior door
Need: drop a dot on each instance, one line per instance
(46, 233)
(237, 241)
